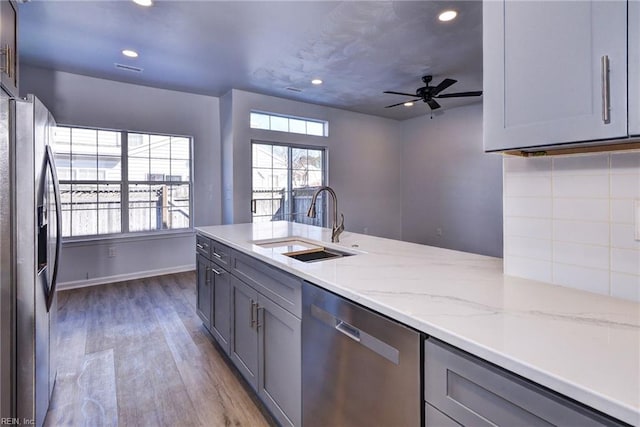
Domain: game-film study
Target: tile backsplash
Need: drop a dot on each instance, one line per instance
(570, 220)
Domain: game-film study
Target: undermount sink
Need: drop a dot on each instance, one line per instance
(317, 255)
(301, 249)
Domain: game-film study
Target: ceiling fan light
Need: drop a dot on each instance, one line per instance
(316, 82)
(145, 3)
(408, 104)
(447, 15)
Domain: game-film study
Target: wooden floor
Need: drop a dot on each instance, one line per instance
(136, 354)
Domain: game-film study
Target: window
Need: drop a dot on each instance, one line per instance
(119, 182)
(284, 179)
(289, 124)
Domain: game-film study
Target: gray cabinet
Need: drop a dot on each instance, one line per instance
(280, 358)
(244, 330)
(221, 308)
(9, 46)
(463, 389)
(554, 72)
(203, 289)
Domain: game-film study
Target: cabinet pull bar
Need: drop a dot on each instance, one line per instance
(217, 255)
(253, 320)
(254, 206)
(606, 105)
(199, 246)
(6, 51)
(216, 271)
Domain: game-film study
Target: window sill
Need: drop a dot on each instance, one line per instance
(108, 239)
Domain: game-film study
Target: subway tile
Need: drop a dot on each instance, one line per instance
(527, 227)
(628, 162)
(581, 165)
(581, 255)
(623, 237)
(590, 233)
(625, 186)
(581, 186)
(622, 211)
(527, 186)
(533, 207)
(528, 268)
(581, 209)
(528, 166)
(580, 277)
(625, 286)
(625, 261)
(528, 247)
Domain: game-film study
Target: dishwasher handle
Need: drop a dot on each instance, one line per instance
(365, 339)
(350, 331)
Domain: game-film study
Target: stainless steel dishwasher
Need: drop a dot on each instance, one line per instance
(358, 367)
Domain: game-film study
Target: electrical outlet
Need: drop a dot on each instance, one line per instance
(112, 252)
(637, 219)
(366, 230)
(439, 231)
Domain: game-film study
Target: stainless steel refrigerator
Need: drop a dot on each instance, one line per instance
(30, 233)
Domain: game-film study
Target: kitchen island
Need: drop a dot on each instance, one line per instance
(581, 345)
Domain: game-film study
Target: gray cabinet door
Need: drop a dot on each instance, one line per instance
(280, 379)
(475, 393)
(244, 332)
(204, 296)
(543, 72)
(221, 316)
(9, 46)
(634, 68)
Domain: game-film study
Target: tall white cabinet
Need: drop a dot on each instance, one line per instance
(554, 72)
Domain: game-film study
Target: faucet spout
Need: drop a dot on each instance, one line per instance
(337, 226)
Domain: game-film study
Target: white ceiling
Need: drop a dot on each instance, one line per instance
(359, 48)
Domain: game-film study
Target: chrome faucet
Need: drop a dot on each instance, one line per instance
(337, 228)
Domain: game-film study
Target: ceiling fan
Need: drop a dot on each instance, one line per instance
(428, 93)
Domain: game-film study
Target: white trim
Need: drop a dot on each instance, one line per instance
(122, 277)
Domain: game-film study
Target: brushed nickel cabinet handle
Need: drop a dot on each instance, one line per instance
(6, 51)
(217, 272)
(199, 246)
(253, 320)
(606, 101)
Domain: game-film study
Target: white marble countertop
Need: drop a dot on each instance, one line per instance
(582, 345)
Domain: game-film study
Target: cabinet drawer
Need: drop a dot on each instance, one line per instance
(221, 254)
(203, 245)
(474, 392)
(282, 288)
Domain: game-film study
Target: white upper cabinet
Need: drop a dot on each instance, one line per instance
(634, 68)
(554, 72)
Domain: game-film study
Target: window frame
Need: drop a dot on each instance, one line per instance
(290, 147)
(324, 123)
(125, 183)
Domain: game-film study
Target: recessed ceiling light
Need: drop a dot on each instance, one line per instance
(130, 53)
(145, 3)
(316, 81)
(447, 15)
(408, 104)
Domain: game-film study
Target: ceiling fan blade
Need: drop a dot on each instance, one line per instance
(442, 86)
(400, 93)
(432, 103)
(402, 103)
(459, 94)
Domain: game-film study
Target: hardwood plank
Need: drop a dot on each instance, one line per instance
(136, 354)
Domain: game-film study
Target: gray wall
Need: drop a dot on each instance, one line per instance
(365, 154)
(393, 179)
(450, 184)
(84, 101)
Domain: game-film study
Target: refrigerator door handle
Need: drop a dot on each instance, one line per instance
(56, 193)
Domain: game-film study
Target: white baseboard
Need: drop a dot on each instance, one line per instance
(122, 277)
